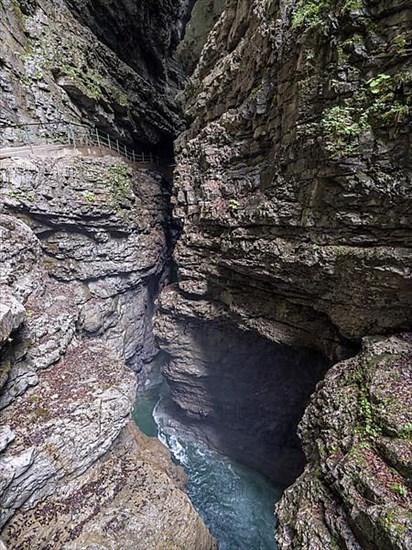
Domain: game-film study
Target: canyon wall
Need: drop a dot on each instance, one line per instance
(293, 189)
(84, 244)
(109, 64)
(293, 194)
(83, 248)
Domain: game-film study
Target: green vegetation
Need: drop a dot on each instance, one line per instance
(42, 412)
(234, 205)
(119, 180)
(400, 490)
(18, 11)
(365, 409)
(33, 399)
(94, 85)
(89, 82)
(25, 79)
(406, 432)
(373, 105)
(342, 128)
(377, 84)
(90, 197)
(312, 13)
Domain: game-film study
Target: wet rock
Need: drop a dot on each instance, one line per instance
(241, 393)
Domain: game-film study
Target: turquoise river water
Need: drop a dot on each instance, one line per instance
(235, 502)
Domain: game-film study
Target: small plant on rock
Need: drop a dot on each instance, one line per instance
(234, 205)
(399, 489)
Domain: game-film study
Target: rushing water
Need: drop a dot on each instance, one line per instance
(235, 501)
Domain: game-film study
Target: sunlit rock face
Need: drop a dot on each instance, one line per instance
(102, 224)
(203, 17)
(77, 280)
(84, 244)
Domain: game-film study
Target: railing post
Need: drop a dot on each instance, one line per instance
(143, 156)
(134, 156)
(108, 141)
(118, 148)
(98, 138)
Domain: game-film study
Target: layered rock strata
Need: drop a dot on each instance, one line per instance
(76, 61)
(293, 188)
(239, 392)
(103, 223)
(74, 311)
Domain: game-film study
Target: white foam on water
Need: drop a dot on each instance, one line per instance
(235, 502)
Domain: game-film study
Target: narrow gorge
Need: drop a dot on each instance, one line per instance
(214, 195)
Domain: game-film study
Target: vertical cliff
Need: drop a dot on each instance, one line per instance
(85, 242)
(110, 64)
(293, 188)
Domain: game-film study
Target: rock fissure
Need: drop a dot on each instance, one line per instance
(276, 266)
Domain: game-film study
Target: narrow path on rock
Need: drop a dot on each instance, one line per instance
(66, 150)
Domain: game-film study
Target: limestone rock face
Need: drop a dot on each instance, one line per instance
(293, 189)
(68, 467)
(356, 433)
(109, 64)
(12, 314)
(203, 17)
(127, 498)
(102, 224)
(84, 243)
(296, 224)
(83, 249)
(242, 394)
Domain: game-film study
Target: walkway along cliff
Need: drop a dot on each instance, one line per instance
(287, 327)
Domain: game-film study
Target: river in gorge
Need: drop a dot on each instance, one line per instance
(235, 502)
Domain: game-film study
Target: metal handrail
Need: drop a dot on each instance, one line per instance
(74, 135)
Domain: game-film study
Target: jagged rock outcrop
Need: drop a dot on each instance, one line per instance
(84, 244)
(356, 433)
(298, 227)
(103, 223)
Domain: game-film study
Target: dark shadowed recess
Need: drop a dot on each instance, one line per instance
(247, 396)
(143, 34)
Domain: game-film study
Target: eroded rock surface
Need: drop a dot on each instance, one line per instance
(300, 229)
(239, 392)
(111, 64)
(293, 188)
(132, 497)
(77, 301)
(101, 223)
(356, 432)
